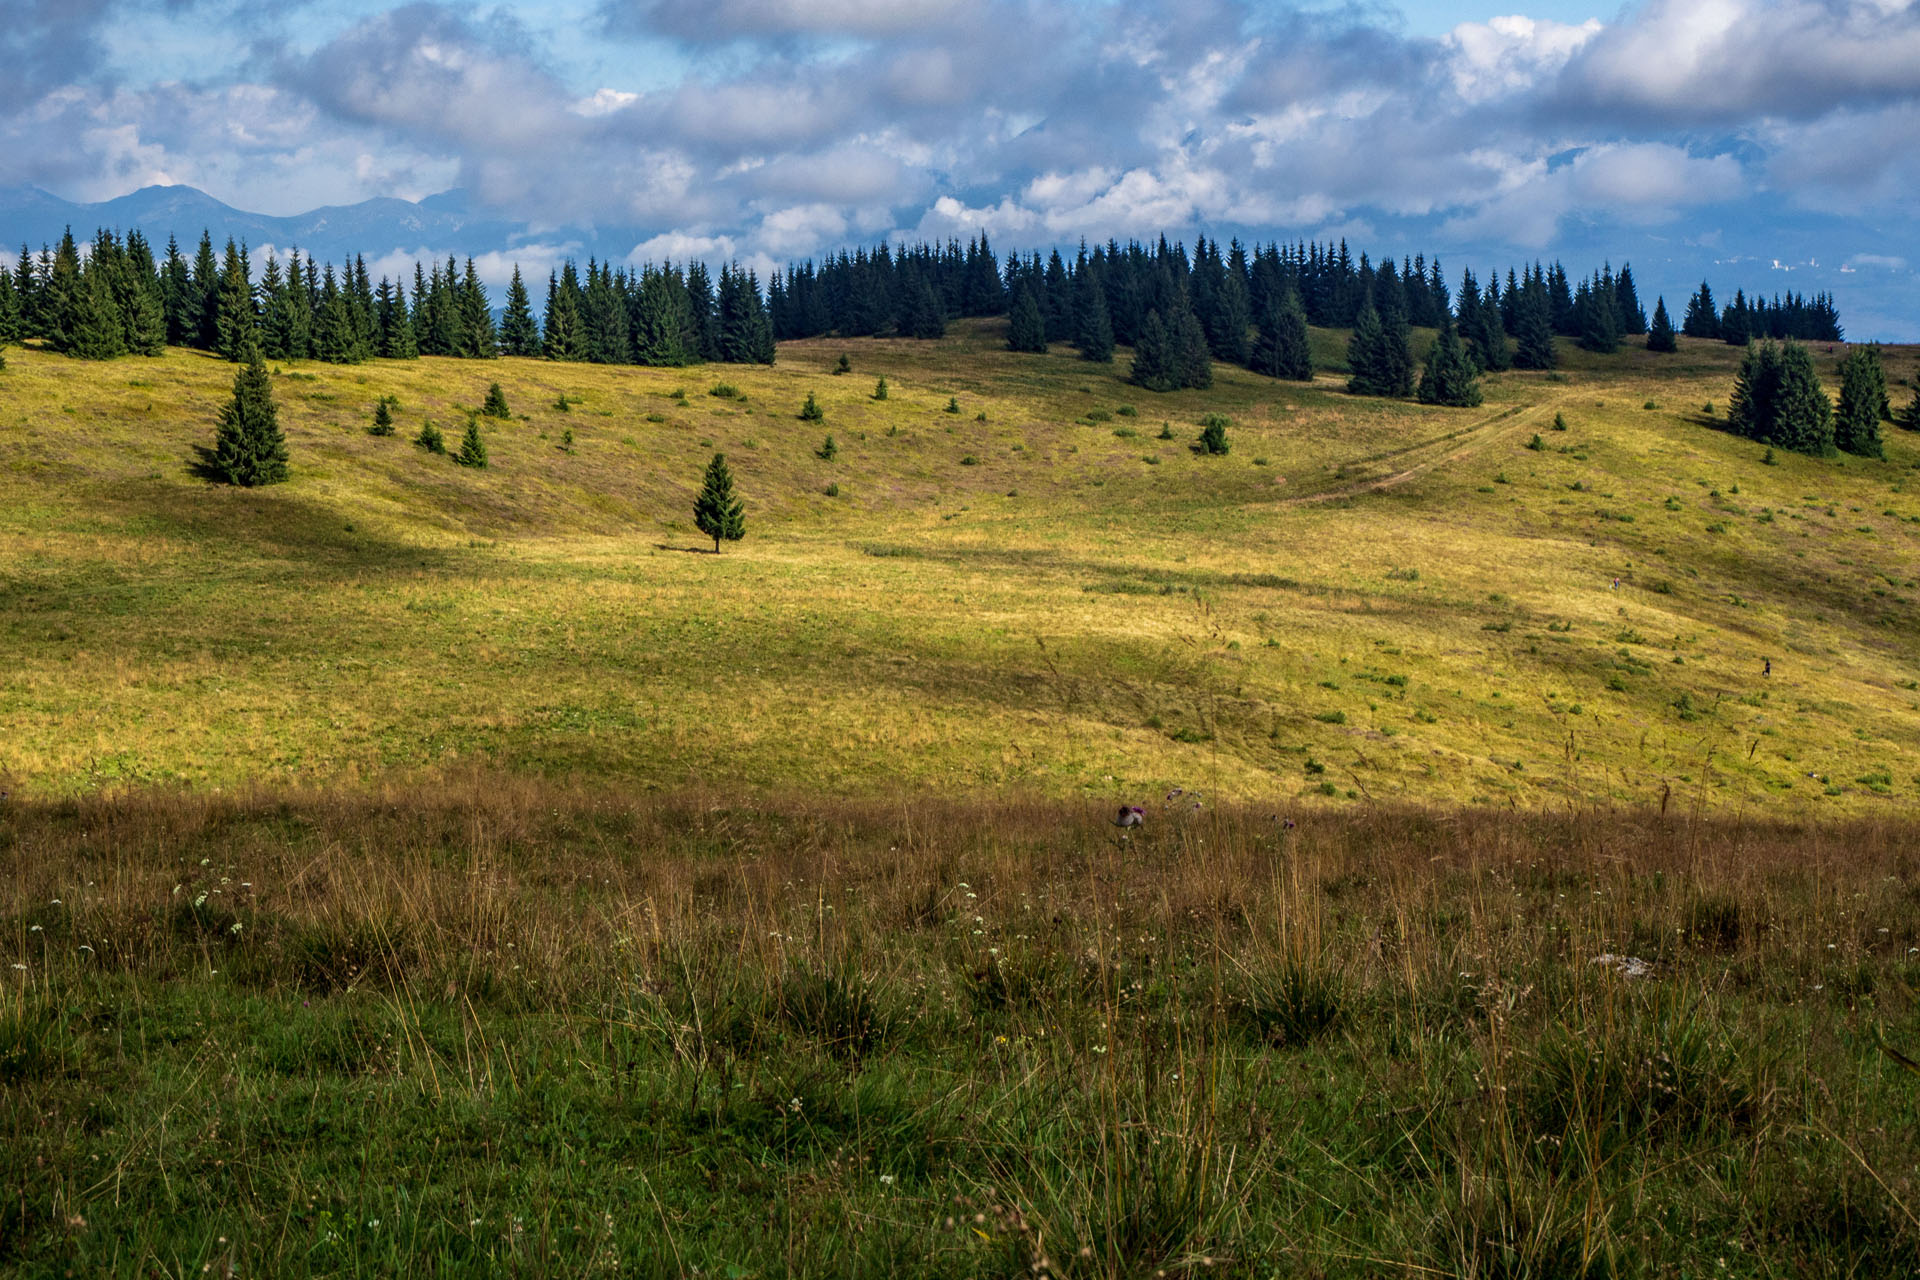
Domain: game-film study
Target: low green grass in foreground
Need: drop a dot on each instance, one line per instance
(507, 1028)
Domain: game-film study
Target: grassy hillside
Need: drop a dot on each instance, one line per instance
(1363, 601)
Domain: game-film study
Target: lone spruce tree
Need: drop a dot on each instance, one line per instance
(717, 512)
(249, 449)
(1661, 336)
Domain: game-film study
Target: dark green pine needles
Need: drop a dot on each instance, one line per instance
(1449, 377)
(249, 449)
(717, 512)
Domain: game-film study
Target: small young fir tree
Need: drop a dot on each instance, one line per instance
(248, 449)
(717, 512)
(496, 403)
(382, 419)
(473, 450)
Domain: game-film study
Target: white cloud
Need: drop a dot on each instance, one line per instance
(1502, 55)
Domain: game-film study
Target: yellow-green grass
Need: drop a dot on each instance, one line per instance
(1364, 601)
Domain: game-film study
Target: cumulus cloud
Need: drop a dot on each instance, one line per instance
(764, 129)
(1709, 61)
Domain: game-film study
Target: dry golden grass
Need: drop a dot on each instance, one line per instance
(1364, 601)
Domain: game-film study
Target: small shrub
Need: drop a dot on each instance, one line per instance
(562, 404)
(832, 490)
(430, 438)
(1125, 411)
(1166, 431)
(1213, 436)
(566, 440)
(1650, 405)
(723, 391)
(844, 366)
(1536, 444)
(1768, 460)
(496, 403)
(1220, 420)
(1125, 433)
(811, 410)
(880, 389)
(382, 419)
(1403, 575)
(1098, 416)
(656, 417)
(953, 404)
(1559, 422)
(1332, 717)
(969, 461)
(828, 450)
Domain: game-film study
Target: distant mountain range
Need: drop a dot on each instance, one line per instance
(443, 223)
(1868, 269)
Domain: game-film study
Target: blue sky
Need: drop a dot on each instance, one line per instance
(1766, 144)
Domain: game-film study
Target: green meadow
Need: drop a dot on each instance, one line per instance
(425, 870)
(1049, 590)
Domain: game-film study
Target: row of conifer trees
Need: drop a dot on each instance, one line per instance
(117, 299)
(1178, 311)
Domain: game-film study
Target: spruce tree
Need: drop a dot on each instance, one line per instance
(473, 450)
(234, 334)
(1396, 351)
(1281, 348)
(249, 449)
(1492, 350)
(142, 307)
(1660, 337)
(204, 296)
(562, 337)
(1092, 322)
(9, 310)
(1909, 418)
(1367, 360)
(335, 340)
(1533, 332)
(1598, 317)
(476, 340)
(1753, 405)
(1153, 362)
(703, 315)
(717, 512)
(1804, 420)
(1026, 328)
(382, 418)
(496, 403)
(63, 300)
(1633, 317)
(518, 335)
(1192, 359)
(1448, 378)
(660, 325)
(98, 328)
(1856, 427)
(1702, 319)
(746, 330)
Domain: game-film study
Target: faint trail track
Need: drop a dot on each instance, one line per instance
(1438, 451)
